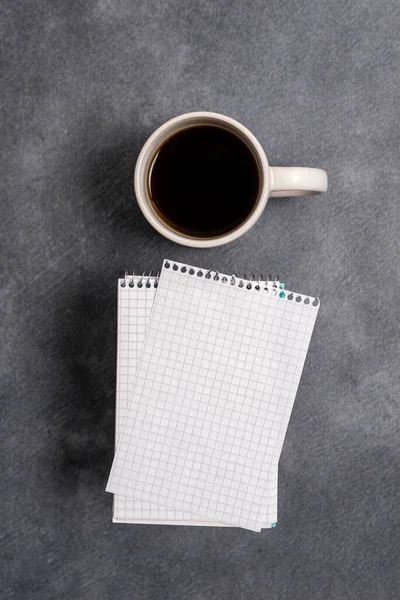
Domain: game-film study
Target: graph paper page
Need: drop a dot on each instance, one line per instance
(134, 307)
(215, 388)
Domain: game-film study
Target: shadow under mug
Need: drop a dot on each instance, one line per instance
(274, 181)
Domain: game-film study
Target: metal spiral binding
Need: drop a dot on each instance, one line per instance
(146, 280)
(248, 282)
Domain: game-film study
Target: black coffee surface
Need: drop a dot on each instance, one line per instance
(204, 181)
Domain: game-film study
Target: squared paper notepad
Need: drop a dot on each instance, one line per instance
(135, 300)
(214, 390)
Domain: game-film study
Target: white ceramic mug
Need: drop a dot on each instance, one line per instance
(274, 181)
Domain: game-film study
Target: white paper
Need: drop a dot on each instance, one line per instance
(134, 307)
(214, 391)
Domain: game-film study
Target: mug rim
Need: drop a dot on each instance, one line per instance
(141, 189)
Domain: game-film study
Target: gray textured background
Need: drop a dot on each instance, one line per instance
(82, 86)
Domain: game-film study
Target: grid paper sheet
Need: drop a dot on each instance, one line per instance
(134, 307)
(215, 388)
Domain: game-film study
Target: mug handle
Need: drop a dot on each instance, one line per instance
(297, 181)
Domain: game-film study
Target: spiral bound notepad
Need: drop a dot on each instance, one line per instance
(135, 300)
(214, 390)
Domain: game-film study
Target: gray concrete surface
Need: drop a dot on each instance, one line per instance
(82, 86)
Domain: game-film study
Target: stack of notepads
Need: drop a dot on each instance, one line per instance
(207, 372)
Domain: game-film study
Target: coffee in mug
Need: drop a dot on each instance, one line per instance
(204, 181)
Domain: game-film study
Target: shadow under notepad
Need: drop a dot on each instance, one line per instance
(87, 354)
